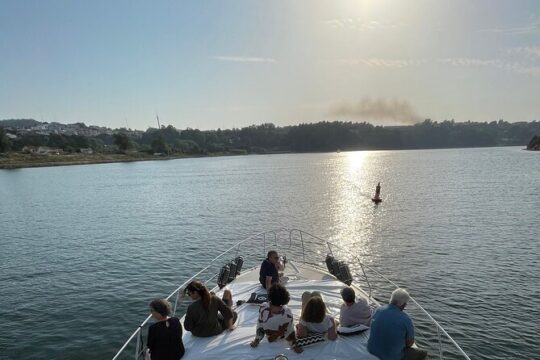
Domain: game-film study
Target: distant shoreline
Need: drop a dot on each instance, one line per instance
(13, 161)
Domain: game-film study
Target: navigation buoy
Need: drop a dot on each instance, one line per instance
(377, 198)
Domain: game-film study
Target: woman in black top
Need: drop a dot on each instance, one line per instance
(165, 336)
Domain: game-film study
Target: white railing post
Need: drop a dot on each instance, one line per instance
(138, 345)
(440, 343)
(176, 303)
(303, 249)
(365, 277)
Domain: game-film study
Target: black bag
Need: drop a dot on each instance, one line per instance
(257, 298)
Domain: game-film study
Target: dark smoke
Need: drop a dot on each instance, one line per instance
(377, 110)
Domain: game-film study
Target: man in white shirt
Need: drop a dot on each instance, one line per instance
(353, 312)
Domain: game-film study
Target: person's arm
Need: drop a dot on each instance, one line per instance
(332, 333)
(409, 334)
(226, 312)
(268, 282)
(280, 266)
(301, 331)
(150, 340)
(259, 332)
(409, 342)
(180, 331)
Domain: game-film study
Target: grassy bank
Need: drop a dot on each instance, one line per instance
(20, 160)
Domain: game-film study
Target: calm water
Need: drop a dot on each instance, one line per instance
(84, 248)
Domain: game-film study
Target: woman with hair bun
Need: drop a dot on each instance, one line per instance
(165, 336)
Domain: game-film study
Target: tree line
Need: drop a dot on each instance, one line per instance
(312, 137)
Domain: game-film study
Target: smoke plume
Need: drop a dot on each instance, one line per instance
(377, 111)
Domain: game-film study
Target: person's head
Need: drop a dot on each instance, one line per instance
(278, 295)
(196, 290)
(160, 309)
(308, 295)
(348, 295)
(315, 310)
(273, 256)
(399, 297)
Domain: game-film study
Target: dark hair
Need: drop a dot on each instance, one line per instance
(161, 306)
(278, 295)
(315, 310)
(348, 295)
(270, 253)
(199, 288)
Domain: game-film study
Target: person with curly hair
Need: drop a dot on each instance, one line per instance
(275, 318)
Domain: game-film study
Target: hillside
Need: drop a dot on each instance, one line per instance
(19, 123)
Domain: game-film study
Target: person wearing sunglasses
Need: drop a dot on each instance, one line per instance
(208, 315)
(270, 267)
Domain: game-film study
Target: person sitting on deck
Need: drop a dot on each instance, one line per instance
(392, 331)
(276, 319)
(314, 320)
(306, 295)
(164, 336)
(270, 267)
(208, 315)
(353, 312)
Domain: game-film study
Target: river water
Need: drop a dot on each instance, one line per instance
(84, 248)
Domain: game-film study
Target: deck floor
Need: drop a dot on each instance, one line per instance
(235, 344)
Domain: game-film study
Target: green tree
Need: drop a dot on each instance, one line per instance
(122, 141)
(4, 141)
(160, 146)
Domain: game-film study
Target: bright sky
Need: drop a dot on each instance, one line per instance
(209, 64)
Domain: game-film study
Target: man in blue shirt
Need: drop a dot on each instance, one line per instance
(268, 274)
(392, 332)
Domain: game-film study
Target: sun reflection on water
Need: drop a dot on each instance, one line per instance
(355, 215)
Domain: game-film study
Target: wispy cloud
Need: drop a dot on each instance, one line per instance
(359, 24)
(529, 52)
(245, 59)
(532, 27)
(520, 67)
(379, 110)
(513, 66)
(380, 62)
(472, 62)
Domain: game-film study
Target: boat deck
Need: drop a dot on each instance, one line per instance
(235, 344)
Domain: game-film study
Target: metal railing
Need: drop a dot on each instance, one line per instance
(275, 238)
(363, 266)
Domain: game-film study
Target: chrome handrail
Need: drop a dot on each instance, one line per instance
(290, 232)
(212, 262)
(439, 327)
